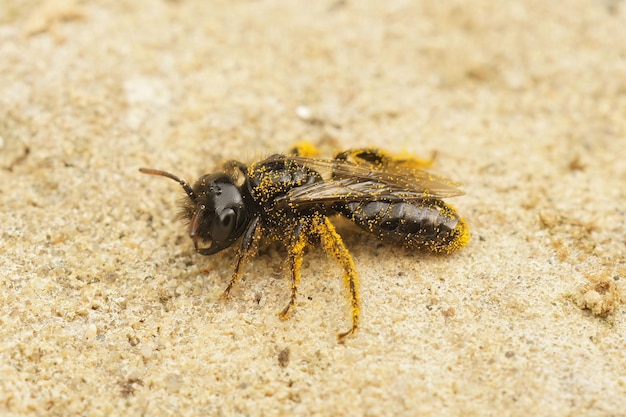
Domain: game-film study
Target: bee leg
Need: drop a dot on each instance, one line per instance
(381, 158)
(295, 254)
(305, 149)
(249, 238)
(333, 245)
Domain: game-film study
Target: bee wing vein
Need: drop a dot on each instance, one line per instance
(354, 182)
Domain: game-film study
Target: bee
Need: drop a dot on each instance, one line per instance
(291, 197)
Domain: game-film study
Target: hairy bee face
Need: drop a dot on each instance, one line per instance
(214, 208)
(217, 215)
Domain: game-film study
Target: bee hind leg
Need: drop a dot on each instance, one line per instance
(380, 158)
(305, 149)
(333, 245)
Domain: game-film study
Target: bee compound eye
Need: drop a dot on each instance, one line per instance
(223, 225)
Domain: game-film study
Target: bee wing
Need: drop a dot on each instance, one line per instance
(349, 181)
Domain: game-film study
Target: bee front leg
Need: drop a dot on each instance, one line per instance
(295, 254)
(247, 242)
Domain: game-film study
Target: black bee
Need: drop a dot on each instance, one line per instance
(291, 197)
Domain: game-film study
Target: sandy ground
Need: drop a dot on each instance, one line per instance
(105, 309)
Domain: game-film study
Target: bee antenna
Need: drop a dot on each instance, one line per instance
(183, 183)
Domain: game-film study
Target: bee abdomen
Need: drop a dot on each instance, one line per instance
(422, 224)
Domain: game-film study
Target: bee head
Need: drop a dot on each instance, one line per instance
(214, 208)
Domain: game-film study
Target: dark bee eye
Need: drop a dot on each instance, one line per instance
(223, 225)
